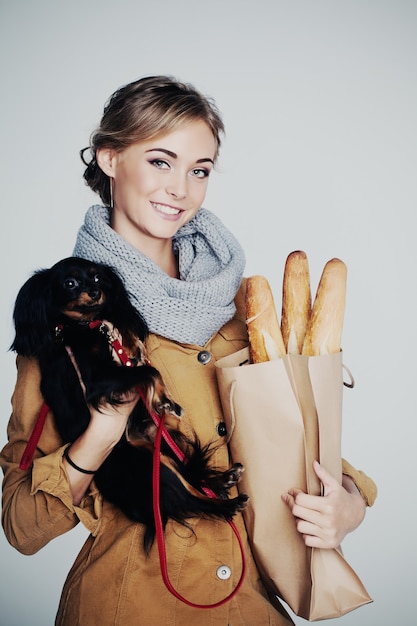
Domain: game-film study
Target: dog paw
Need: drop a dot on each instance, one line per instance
(241, 502)
(232, 476)
(169, 406)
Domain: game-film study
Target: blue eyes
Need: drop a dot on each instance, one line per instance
(161, 165)
(198, 172)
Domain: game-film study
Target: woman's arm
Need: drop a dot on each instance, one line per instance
(37, 505)
(92, 448)
(51, 497)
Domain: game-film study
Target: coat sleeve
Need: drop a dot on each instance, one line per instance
(366, 486)
(37, 503)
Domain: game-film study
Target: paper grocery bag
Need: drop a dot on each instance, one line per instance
(281, 415)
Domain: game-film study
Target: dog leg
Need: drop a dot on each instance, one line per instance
(157, 396)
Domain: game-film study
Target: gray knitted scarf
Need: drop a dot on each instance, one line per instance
(190, 309)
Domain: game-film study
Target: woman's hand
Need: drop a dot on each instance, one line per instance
(324, 521)
(92, 448)
(108, 424)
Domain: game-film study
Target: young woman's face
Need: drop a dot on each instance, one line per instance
(159, 185)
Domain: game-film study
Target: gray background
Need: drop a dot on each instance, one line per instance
(319, 101)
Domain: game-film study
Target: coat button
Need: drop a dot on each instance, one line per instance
(223, 572)
(204, 357)
(221, 429)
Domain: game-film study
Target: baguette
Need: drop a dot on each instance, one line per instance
(265, 339)
(296, 301)
(324, 330)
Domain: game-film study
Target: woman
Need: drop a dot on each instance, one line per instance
(151, 159)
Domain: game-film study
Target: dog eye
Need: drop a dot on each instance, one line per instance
(96, 278)
(70, 283)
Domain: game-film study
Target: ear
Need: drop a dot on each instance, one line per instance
(31, 315)
(106, 159)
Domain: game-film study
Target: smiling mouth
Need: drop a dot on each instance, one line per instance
(164, 208)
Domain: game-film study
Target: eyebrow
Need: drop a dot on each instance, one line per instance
(173, 155)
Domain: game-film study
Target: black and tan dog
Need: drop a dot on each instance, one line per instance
(78, 307)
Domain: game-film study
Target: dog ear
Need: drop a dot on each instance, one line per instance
(31, 315)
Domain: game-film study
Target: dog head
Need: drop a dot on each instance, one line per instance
(74, 290)
(79, 289)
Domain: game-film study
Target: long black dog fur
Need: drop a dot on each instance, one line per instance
(52, 313)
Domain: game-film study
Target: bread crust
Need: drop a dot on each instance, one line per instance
(296, 301)
(265, 339)
(324, 330)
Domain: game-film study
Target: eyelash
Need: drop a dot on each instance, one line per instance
(205, 173)
(158, 162)
(197, 172)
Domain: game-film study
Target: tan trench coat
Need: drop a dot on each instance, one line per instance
(112, 582)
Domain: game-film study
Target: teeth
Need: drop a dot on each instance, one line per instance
(163, 208)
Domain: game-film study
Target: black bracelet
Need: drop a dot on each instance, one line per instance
(71, 462)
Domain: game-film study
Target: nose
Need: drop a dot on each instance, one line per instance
(94, 294)
(177, 186)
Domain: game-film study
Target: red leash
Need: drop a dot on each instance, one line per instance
(29, 451)
(160, 531)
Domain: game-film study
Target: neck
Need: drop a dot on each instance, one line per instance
(159, 251)
(162, 254)
(168, 265)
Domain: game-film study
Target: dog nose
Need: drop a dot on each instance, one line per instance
(95, 294)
